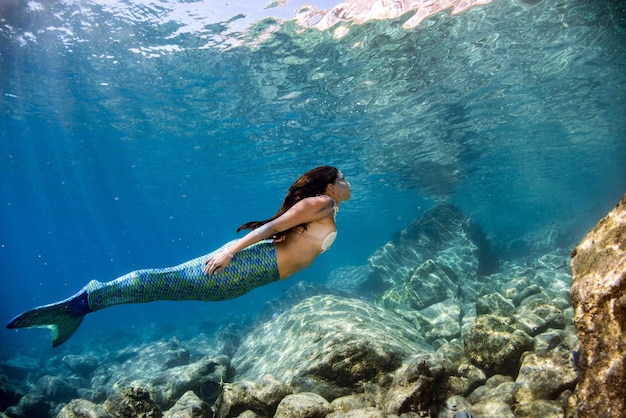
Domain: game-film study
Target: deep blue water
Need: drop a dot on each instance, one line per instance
(130, 141)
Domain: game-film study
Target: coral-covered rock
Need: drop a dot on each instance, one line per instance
(417, 386)
(498, 388)
(544, 376)
(132, 402)
(352, 402)
(599, 298)
(539, 409)
(496, 343)
(467, 378)
(328, 345)
(189, 406)
(303, 405)
(82, 408)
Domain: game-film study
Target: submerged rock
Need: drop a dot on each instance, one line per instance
(167, 371)
(82, 408)
(496, 344)
(599, 297)
(468, 377)
(328, 345)
(544, 376)
(539, 315)
(9, 395)
(367, 412)
(352, 402)
(132, 402)
(492, 408)
(417, 386)
(19, 367)
(497, 388)
(357, 281)
(427, 284)
(56, 389)
(303, 405)
(260, 397)
(237, 398)
(441, 320)
(494, 303)
(189, 406)
(30, 405)
(294, 295)
(82, 365)
(443, 234)
(539, 409)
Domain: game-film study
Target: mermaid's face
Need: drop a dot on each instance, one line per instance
(340, 189)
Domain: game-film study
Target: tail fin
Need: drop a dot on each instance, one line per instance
(61, 318)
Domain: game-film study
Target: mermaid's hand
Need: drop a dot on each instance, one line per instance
(217, 262)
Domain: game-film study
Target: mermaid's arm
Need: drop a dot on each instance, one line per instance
(305, 211)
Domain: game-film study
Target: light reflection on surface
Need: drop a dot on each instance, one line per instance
(220, 24)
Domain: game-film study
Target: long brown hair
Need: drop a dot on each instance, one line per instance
(311, 183)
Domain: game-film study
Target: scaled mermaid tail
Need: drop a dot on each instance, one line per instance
(249, 268)
(62, 318)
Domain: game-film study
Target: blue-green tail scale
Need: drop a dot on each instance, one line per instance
(62, 318)
(250, 268)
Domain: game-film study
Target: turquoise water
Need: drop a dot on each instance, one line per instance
(133, 137)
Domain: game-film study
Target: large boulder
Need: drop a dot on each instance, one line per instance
(356, 281)
(56, 389)
(20, 367)
(260, 397)
(303, 405)
(328, 345)
(443, 234)
(30, 405)
(441, 256)
(81, 365)
(189, 406)
(544, 376)
(599, 297)
(417, 386)
(427, 284)
(496, 344)
(132, 402)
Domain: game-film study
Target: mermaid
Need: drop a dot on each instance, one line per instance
(274, 249)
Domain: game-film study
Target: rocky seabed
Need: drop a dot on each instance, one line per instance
(434, 325)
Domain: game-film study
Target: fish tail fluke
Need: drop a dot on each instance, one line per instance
(61, 318)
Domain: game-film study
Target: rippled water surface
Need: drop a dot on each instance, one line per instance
(138, 134)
